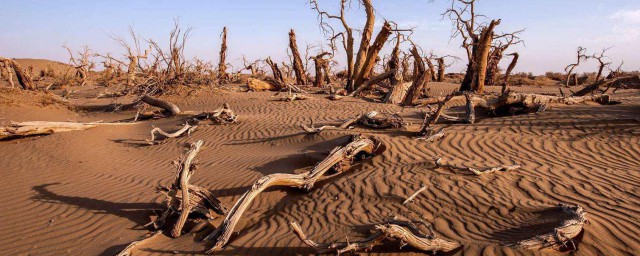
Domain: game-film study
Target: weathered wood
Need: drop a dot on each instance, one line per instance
(187, 128)
(375, 120)
(413, 196)
(397, 94)
(372, 81)
(633, 80)
(259, 85)
(338, 161)
(396, 227)
(183, 198)
(501, 168)
(127, 250)
(561, 235)
(420, 81)
(298, 68)
(312, 129)
(222, 65)
(163, 104)
(372, 54)
(430, 119)
(31, 128)
(24, 79)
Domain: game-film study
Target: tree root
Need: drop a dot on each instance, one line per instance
(338, 161)
(561, 235)
(405, 231)
(199, 200)
(501, 168)
(127, 250)
(187, 128)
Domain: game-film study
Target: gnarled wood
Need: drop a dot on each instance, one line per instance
(413, 196)
(24, 79)
(400, 228)
(187, 128)
(298, 68)
(338, 161)
(163, 104)
(561, 235)
(127, 250)
(24, 129)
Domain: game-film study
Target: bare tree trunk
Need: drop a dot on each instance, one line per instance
(23, 78)
(492, 70)
(483, 56)
(372, 54)
(222, 65)
(507, 74)
(277, 74)
(298, 68)
(421, 79)
(441, 68)
(367, 32)
(7, 74)
(432, 69)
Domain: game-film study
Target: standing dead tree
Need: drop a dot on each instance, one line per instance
(298, 68)
(6, 73)
(174, 60)
(507, 74)
(477, 39)
(421, 78)
(23, 77)
(133, 53)
(222, 65)
(278, 78)
(496, 54)
(322, 68)
(358, 69)
(580, 56)
(80, 63)
(602, 64)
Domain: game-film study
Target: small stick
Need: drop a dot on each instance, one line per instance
(127, 250)
(413, 196)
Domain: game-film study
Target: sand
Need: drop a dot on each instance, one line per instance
(89, 192)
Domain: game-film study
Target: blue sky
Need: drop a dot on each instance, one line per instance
(258, 28)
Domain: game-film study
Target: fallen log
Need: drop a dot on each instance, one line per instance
(259, 85)
(187, 128)
(561, 235)
(163, 104)
(338, 161)
(407, 232)
(198, 200)
(127, 250)
(429, 120)
(31, 128)
(617, 82)
(501, 168)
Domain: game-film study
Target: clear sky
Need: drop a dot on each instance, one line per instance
(258, 28)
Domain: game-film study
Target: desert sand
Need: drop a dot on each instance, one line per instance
(90, 192)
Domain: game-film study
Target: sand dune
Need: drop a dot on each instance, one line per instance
(89, 192)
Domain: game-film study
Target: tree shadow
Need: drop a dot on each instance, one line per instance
(136, 212)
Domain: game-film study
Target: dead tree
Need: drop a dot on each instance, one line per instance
(507, 74)
(602, 64)
(358, 69)
(251, 66)
(173, 57)
(580, 56)
(336, 163)
(321, 63)
(23, 77)
(298, 68)
(496, 54)
(81, 63)
(562, 235)
(432, 68)
(399, 89)
(477, 40)
(222, 65)
(133, 54)
(421, 78)
(6, 73)
(278, 78)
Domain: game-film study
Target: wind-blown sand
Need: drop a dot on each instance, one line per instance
(89, 192)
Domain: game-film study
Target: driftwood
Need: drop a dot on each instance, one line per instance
(199, 200)
(259, 85)
(187, 128)
(426, 130)
(24, 129)
(338, 161)
(413, 196)
(290, 97)
(501, 168)
(312, 129)
(561, 235)
(127, 250)
(433, 137)
(375, 120)
(163, 104)
(407, 232)
(24, 79)
(335, 97)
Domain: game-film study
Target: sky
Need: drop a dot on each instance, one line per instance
(258, 28)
